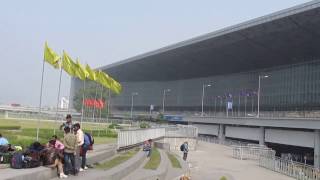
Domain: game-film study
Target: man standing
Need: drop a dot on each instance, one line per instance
(80, 141)
(68, 123)
(70, 144)
(185, 150)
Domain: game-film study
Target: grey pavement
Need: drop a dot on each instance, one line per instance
(212, 161)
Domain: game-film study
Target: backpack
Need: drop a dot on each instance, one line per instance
(17, 161)
(32, 163)
(91, 139)
(182, 147)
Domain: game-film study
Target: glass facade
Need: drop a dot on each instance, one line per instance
(291, 88)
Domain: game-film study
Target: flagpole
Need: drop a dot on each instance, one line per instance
(94, 108)
(100, 110)
(108, 108)
(40, 101)
(58, 98)
(83, 96)
(94, 104)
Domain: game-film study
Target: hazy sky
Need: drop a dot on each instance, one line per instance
(100, 33)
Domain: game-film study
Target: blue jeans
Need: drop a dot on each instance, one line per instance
(84, 155)
(69, 157)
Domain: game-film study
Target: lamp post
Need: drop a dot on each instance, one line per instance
(132, 95)
(164, 98)
(202, 98)
(259, 90)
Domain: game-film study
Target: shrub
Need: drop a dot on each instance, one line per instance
(223, 178)
(144, 125)
(114, 126)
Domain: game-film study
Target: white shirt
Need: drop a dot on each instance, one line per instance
(80, 137)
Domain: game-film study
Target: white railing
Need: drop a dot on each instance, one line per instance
(252, 152)
(132, 137)
(182, 131)
(290, 168)
(127, 138)
(226, 142)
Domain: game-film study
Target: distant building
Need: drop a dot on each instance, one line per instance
(64, 103)
(284, 46)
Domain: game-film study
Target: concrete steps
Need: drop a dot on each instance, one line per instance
(115, 173)
(144, 174)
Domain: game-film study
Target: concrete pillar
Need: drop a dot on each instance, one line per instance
(221, 133)
(317, 148)
(261, 136)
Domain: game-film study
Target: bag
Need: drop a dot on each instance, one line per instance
(5, 158)
(49, 156)
(3, 149)
(34, 155)
(32, 163)
(17, 161)
(91, 139)
(182, 147)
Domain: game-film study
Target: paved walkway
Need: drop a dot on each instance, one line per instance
(212, 161)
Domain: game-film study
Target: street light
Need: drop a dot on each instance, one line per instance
(132, 95)
(164, 98)
(203, 87)
(260, 77)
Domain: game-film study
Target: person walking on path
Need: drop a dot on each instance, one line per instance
(80, 141)
(70, 144)
(185, 150)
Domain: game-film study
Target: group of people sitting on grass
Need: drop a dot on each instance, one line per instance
(64, 155)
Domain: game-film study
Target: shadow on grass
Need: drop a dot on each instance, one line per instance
(154, 160)
(174, 161)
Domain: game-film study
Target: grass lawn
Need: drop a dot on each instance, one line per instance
(154, 160)
(174, 161)
(122, 157)
(104, 140)
(24, 131)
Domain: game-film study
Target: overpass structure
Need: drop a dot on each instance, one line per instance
(264, 66)
(288, 131)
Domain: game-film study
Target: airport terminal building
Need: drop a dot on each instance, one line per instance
(220, 73)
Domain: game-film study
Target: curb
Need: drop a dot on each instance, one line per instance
(42, 173)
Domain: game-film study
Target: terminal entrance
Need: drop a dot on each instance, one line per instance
(294, 153)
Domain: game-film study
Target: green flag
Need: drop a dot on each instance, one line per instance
(92, 73)
(50, 56)
(68, 65)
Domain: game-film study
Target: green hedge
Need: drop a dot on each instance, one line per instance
(114, 126)
(10, 127)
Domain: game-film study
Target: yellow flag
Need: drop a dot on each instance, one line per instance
(68, 65)
(108, 82)
(81, 72)
(92, 73)
(51, 57)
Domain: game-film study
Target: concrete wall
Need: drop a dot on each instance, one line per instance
(207, 129)
(290, 137)
(243, 132)
(175, 143)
